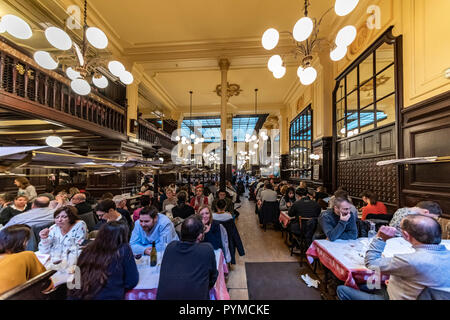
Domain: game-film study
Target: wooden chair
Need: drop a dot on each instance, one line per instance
(307, 227)
(269, 213)
(33, 289)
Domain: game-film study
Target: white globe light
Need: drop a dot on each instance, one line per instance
(255, 146)
(72, 74)
(2, 27)
(308, 76)
(126, 77)
(80, 86)
(58, 38)
(338, 53)
(54, 141)
(299, 71)
(279, 72)
(116, 68)
(274, 62)
(101, 82)
(45, 60)
(265, 138)
(189, 147)
(253, 138)
(16, 27)
(344, 7)
(192, 136)
(303, 29)
(346, 36)
(96, 38)
(202, 140)
(270, 39)
(177, 138)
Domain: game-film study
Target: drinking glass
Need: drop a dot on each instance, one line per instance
(56, 254)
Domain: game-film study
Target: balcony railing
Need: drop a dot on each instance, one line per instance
(147, 132)
(26, 87)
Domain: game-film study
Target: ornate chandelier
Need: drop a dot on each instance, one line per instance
(306, 42)
(80, 65)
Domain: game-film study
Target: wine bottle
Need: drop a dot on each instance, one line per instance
(153, 255)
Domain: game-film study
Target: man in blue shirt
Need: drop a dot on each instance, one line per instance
(339, 222)
(151, 226)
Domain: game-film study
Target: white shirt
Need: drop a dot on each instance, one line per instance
(77, 233)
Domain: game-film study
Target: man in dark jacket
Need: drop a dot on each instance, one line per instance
(188, 268)
(339, 222)
(79, 201)
(304, 207)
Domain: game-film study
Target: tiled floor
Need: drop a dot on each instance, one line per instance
(259, 245)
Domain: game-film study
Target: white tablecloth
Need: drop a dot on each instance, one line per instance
(149, 276)
(345, 258)
(351, 253)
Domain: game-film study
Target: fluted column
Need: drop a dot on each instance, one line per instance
(224, 66)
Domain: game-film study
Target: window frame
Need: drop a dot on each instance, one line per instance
(342, 83)
(299, 127)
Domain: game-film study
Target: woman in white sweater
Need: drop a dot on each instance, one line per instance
(67, 231)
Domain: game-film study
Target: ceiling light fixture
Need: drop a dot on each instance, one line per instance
(16, 27)
(305, 38)
(54, 141)
(80, 67)
(344, 7)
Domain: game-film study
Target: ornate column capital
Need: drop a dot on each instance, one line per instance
(224, 64)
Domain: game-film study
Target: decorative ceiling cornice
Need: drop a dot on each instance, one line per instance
(202, 50)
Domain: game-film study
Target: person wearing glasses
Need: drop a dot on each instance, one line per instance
(409, 274)
(67, 230)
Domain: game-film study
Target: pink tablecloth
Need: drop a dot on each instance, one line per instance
(284, 218)
(348, 268)
(218, 292)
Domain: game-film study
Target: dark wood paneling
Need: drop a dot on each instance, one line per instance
(356, 176)
(324, 148)
(284, 165)
(378, 142)
(426, 132)
(118, 183)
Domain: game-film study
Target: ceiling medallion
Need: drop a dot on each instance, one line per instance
(306, 41)
(361, 40)
(232, 90)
